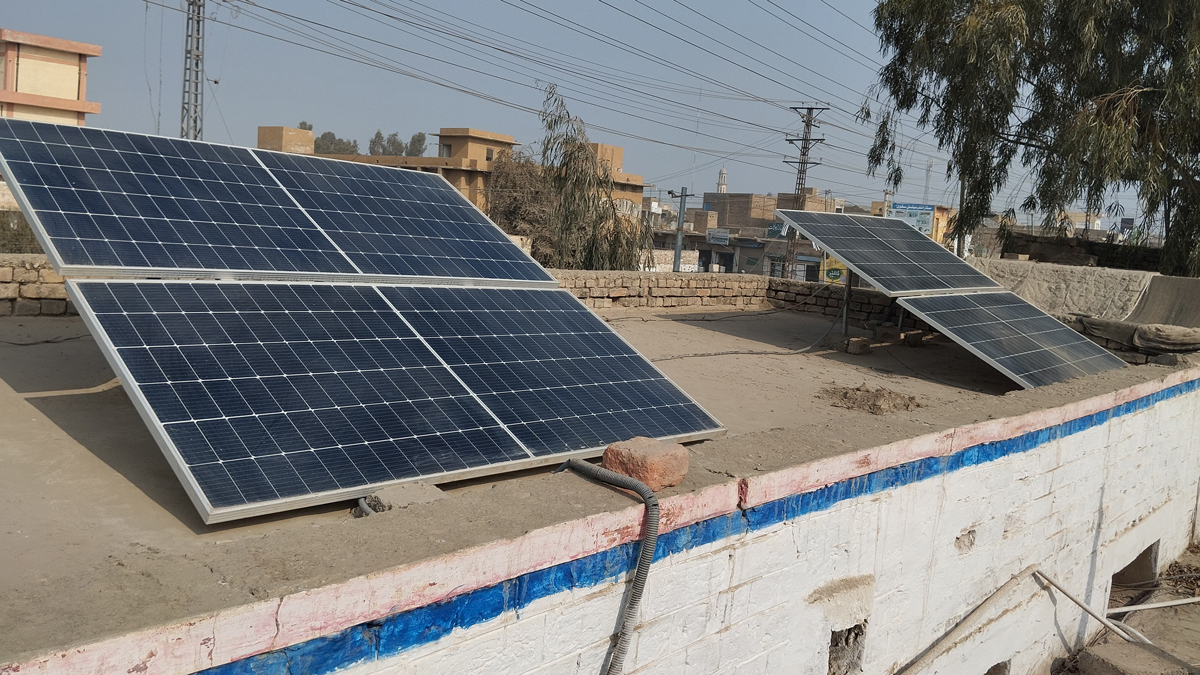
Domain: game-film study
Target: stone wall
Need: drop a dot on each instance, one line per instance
(29, 286)
(651, 289)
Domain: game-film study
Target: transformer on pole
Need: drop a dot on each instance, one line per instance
(191, 124)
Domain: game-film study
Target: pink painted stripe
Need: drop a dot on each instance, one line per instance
(236, 633)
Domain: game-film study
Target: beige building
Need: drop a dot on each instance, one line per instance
(464, 158)
(44, 79)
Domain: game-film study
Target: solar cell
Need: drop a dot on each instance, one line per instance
(399, 222)
(114, 200)
(888, 253)
(550, 369)
(1020, 340)
(268, 395)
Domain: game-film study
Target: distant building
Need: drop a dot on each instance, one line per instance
(464, 158)
(738, 232)
(722, 181)
(44, 79)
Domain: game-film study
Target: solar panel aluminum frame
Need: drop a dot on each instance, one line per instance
(119, 272)
(211, 515)
(854, 268)
(948, 331)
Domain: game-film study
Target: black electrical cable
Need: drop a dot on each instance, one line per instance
(616, 661)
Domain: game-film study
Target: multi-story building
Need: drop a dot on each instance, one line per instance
(465, 157)
(44, 78)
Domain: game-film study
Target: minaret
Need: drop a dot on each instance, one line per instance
(721, 186)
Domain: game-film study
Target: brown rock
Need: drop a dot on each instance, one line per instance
(653, 462)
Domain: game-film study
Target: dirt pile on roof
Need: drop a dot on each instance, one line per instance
(878, 401)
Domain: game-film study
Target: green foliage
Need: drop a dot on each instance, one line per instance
(416, 145)
(520, 200)
(584, 226)
(328, 143)
(1090, 95)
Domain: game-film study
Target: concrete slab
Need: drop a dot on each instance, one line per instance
(95, 527)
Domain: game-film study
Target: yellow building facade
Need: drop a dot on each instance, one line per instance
(44, 79)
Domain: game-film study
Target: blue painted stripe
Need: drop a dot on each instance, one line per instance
(394, 634)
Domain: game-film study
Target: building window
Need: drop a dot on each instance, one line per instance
(491, 154)
(444, 150)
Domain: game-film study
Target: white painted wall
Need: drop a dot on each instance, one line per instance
(1080, 508)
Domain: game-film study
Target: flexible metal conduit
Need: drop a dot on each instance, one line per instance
(645, 555)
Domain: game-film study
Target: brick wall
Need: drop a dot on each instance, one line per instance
(29, 286)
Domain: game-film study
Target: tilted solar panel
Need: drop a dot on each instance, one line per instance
(888, 253)
(118, 204)
(395, 222)
(549, 368)
(1020, 340)
(107, 199)
(267, 396)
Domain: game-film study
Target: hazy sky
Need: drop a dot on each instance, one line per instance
(654, 70)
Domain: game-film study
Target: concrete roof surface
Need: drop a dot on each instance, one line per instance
(98, 538)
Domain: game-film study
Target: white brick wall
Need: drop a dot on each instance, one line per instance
(903, 560)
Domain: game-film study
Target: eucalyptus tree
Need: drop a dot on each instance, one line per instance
(584, 227)
(1089, 96)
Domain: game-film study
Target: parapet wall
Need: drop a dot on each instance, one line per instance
(896, 544)
(29, 286)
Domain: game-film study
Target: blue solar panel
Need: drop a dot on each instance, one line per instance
(266, 392)
(889, 253)
(1020, 340)
(550, 369)
(400, 222)
(111, 199)
(270, 394)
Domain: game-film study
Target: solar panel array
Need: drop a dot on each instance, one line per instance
(272, 394)
(143, 203)
(1026, 344)
(1019, 339)
(888, 253)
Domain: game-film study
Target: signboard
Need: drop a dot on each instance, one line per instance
(717, 236)
(833, 271)
(775, 231)
(748, 243)
(918, 216)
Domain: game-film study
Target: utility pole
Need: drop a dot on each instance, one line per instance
(805, 144)
(191, 121)
(962, 197)
(683, 195)
(886, 194)
(928, 171)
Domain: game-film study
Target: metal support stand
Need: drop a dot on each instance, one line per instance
(846, 300)
(900, 321)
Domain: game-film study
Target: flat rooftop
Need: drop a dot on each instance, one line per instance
(97, 537)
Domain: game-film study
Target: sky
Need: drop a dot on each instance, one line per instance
(685, 87)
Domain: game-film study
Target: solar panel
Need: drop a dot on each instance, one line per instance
(888, 253)
(267, 396)
(399, 222)
(550, 369)
(118, 204)
(1020, 340)
(107, 199)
